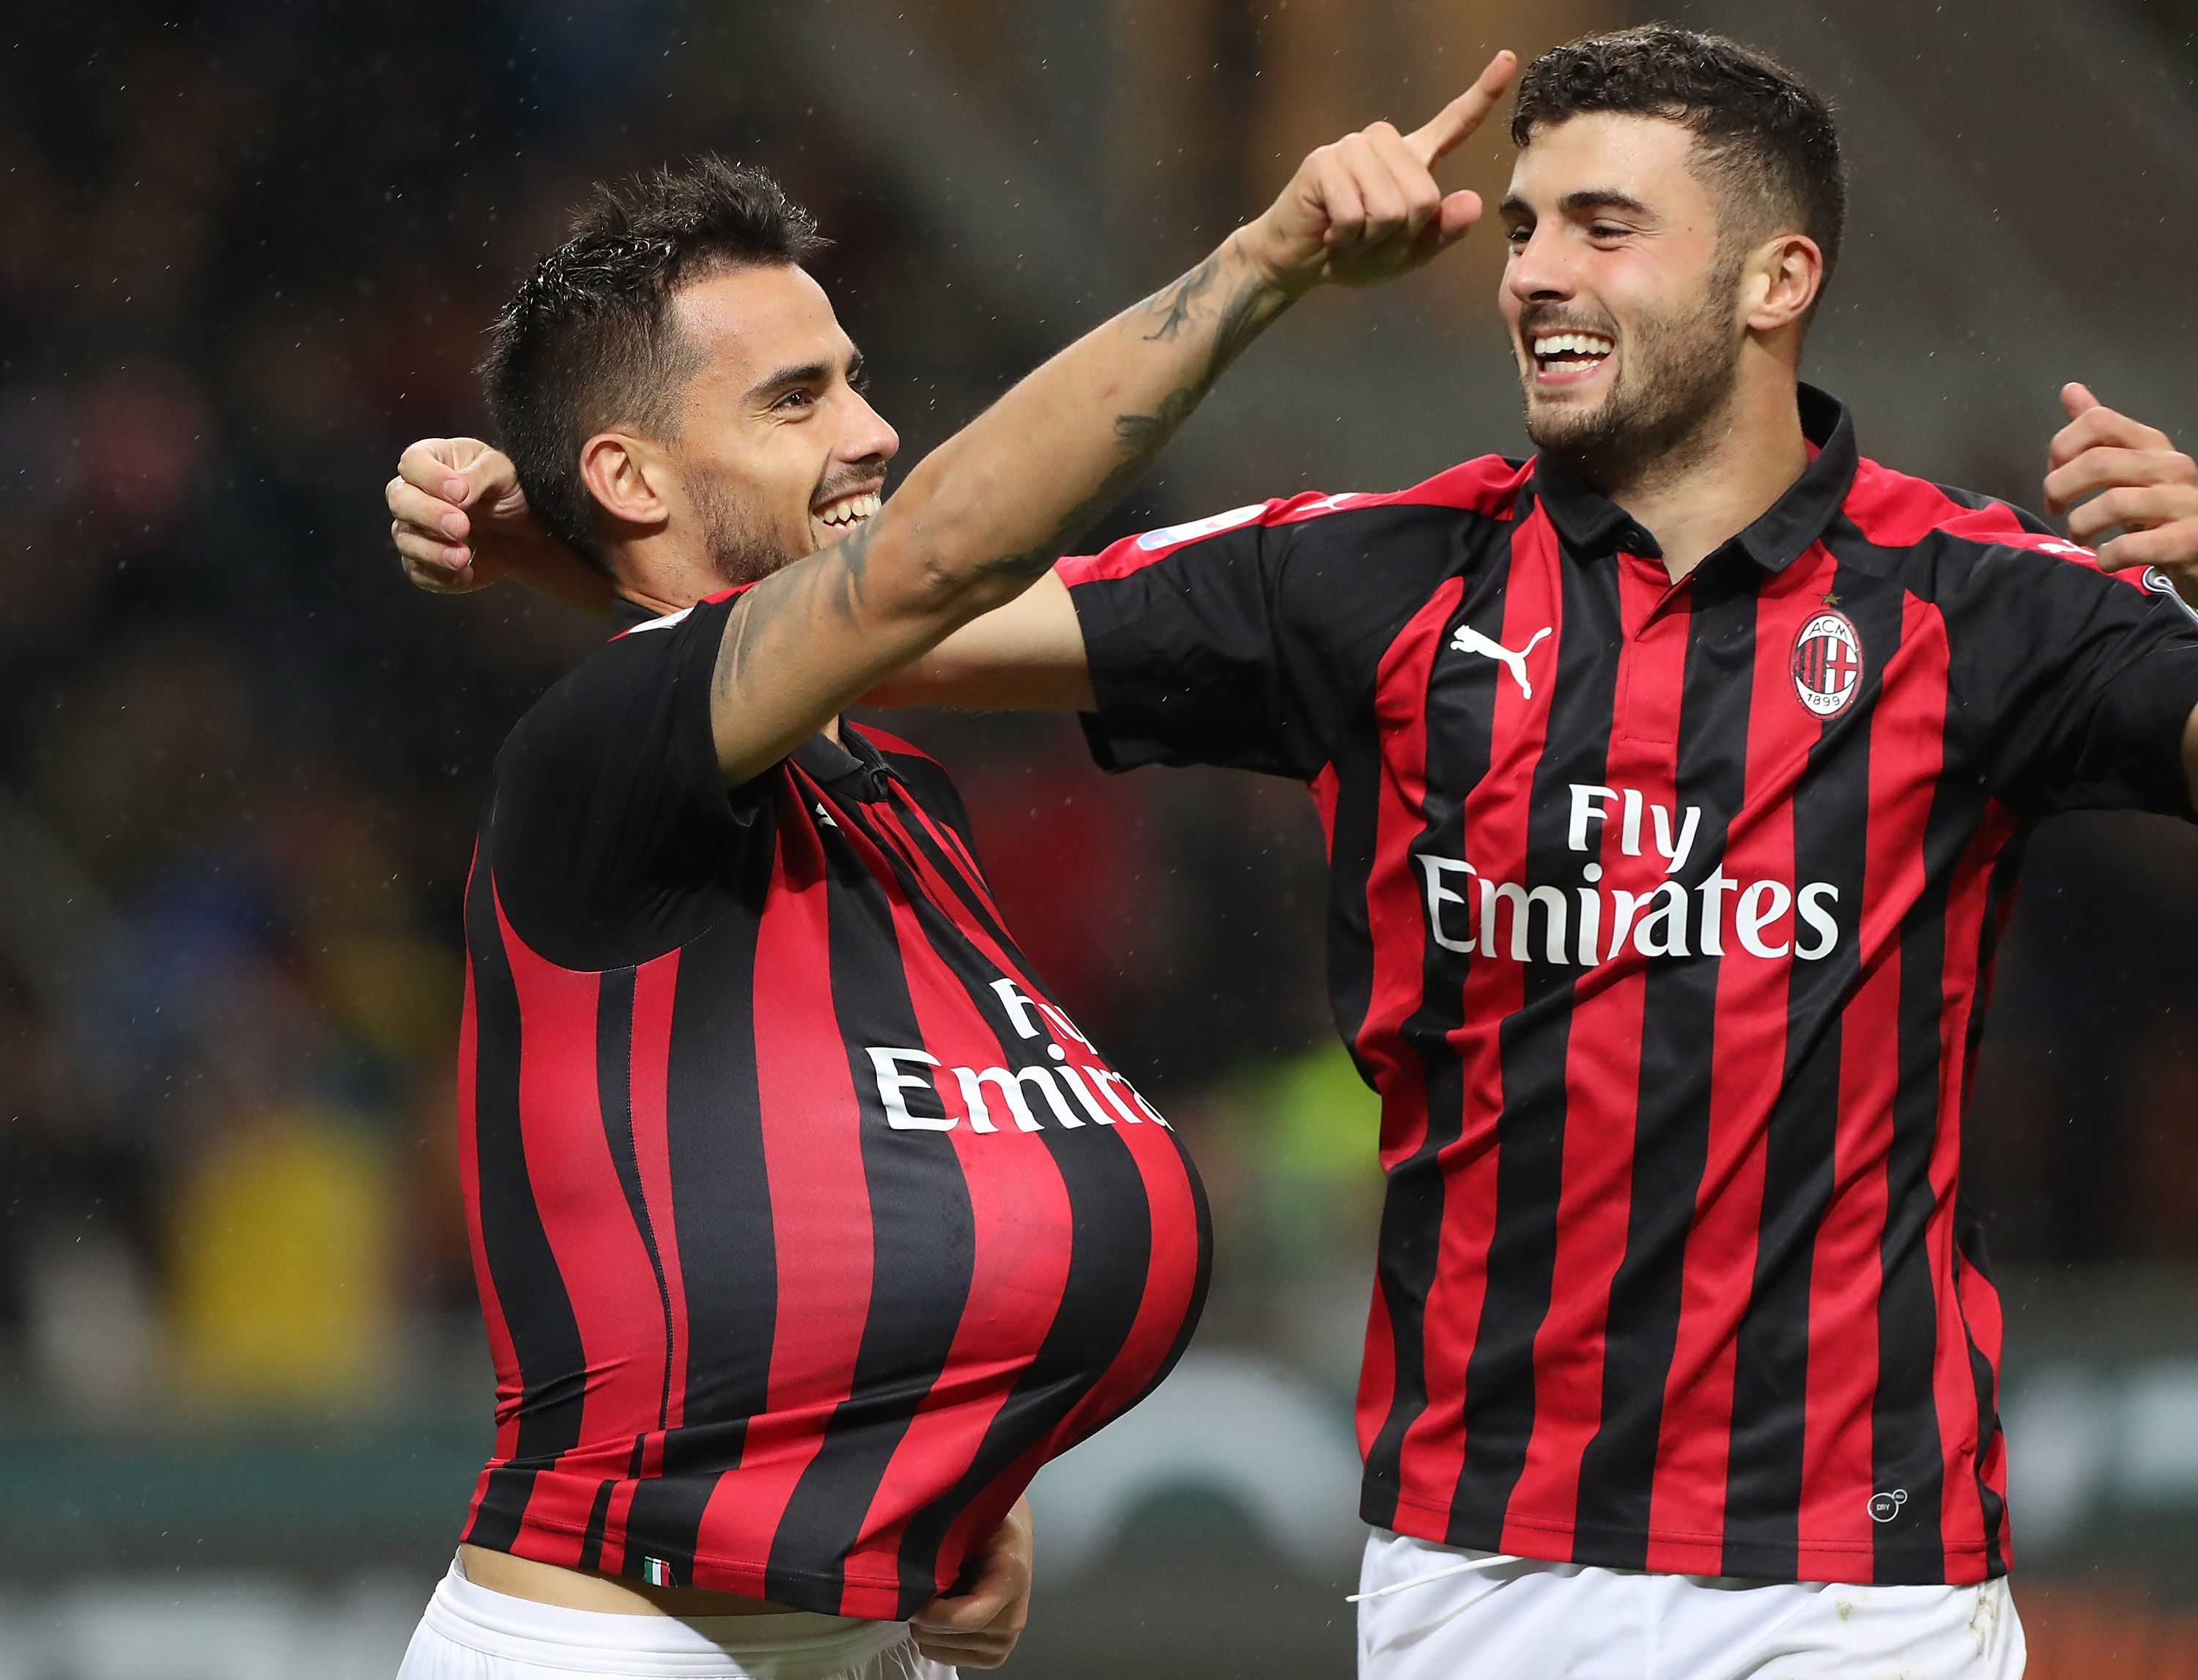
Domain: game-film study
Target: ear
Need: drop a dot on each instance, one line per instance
(628, 477)
(1781, 281)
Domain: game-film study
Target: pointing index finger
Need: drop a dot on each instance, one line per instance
(1464, 113)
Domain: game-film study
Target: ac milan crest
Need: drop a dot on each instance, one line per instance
(1827, 663)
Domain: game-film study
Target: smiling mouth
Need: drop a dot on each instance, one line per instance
(1562, 359)
(844, 512)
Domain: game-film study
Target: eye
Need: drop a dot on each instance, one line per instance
(793, 400)
(859, 382)
(1518, 235)
(1607, 230)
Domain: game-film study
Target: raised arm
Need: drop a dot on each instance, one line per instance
(984, 517)
(986, 514)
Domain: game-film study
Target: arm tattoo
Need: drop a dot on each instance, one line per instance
(830, 582)
(1140, 437)
(1176, 302)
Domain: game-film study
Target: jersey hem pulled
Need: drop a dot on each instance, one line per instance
(813, 1591)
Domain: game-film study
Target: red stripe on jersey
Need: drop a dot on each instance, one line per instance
(972, 878)
(1394, 913)
(819, 1200)
(1432, 1455)
(1895, 511)
(612, 1561)
(601, 1260)
(1486, 485)
(1980, 1317)
(1324, 787)
(1603, 1066)
(1392, 888)
(653, 985)
(509, 1391)
(1170, 1284)
(1907, 756)
(1017, 1276)
(1748, 1061)
(1953, 1382)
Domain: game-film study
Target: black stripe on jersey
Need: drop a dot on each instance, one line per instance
(1769, 1407)
(1107, 1268)
(1906, 1451)
(728, 1272)
(1535, 1040)
(922, 1228)
(1352, 839)
(1672, 1135)
(614, 1094)
(1968, 1232)
(545, 1334)
(1459, 716)
(591, 1543)
(960, 958)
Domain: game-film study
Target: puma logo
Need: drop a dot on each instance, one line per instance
(1467, 640)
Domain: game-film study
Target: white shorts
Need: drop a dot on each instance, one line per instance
(470, 1633)
(1520, 1620)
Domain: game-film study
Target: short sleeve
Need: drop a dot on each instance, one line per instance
(609, 823)
(2081, 683)
(1190, 661)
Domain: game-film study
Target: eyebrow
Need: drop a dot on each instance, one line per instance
(1574, 203)
(806, 373)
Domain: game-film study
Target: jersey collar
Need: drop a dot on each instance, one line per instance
(1593, 525)
(828, 762)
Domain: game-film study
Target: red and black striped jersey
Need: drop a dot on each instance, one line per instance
(807, 1225)
(1662, 919)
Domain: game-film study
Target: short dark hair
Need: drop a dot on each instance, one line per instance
(588, 341)
(1759, 128)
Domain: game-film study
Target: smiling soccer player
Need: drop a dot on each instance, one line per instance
(807, 1225)
(1676, 784)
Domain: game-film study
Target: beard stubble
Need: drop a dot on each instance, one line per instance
(1664, 409)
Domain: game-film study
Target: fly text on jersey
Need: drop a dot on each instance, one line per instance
(1466, 909)
(1071, 1093)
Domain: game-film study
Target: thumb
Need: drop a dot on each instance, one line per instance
(2077, 399)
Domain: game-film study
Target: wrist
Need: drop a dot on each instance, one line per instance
(1261, 251)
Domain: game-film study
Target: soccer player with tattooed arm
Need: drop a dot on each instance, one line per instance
(1676, 784)
(807, 1225)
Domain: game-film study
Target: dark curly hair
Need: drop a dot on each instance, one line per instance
(1762, 133)
(588, 340)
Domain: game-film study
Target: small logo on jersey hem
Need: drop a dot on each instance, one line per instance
(1884, 1507)
(1826, 664)
(657, 1571)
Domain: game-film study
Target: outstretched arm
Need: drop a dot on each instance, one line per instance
(984, 517)
(2139, 485)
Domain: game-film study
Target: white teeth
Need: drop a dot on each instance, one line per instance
(852, 511)
(1577, 344)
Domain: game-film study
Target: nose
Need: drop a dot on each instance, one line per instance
(1537, 271)
(869, 441)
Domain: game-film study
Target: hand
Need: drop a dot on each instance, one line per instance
(2146, 489)
(1367, 208)
(979, 1630)
(460, 520)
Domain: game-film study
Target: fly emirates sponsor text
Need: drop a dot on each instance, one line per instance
(1071, 1093)
(1588, 925)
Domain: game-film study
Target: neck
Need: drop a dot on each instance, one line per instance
(659, 596)
(1697, 496)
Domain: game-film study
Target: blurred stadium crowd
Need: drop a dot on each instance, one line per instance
(248, 256)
